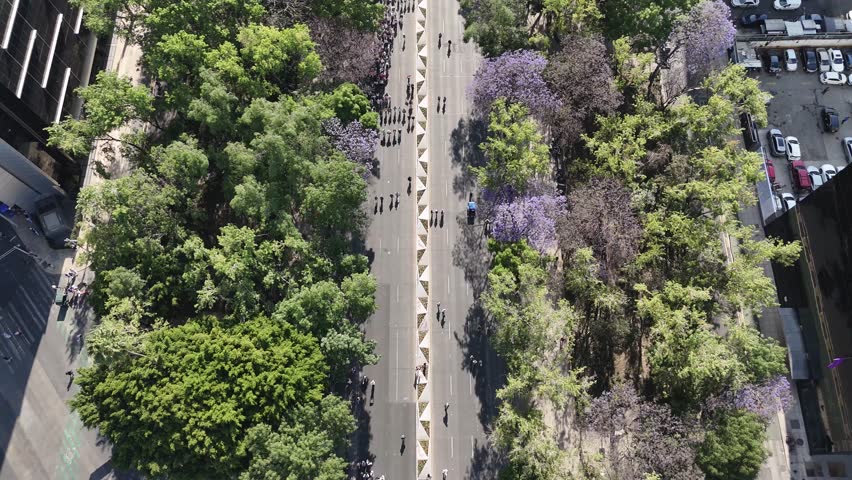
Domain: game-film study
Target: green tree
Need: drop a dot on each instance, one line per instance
(306, 446)
(333, 199)
(110, 102)
(733, 447)
(349, 103)
(182, 164)
(497, 26)
(359, 289)
(622, 142)
(183, 408)
(532, 451)
(648, 22)
(515, 150)
(761, 356)
(361, 14)
(689, 362)
(288, 56)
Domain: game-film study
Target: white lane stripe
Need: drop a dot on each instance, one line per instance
(396, 389)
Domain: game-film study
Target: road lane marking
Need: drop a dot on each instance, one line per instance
(451, 447)
(397, 244)
(451, 386)
(472, 447)
(396, 389)
(448, 284)
(470, 384)
(397, 293)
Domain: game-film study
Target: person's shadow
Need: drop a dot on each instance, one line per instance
(402, 448)
(446, 418)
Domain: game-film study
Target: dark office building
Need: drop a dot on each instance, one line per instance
(45, 53)
(819, 290)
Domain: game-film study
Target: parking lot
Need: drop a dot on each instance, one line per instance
(795, 109)
(835, 8)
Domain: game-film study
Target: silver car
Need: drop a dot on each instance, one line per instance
(824, 60)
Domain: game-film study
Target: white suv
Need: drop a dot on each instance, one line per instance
(824, 60)
(836, 60)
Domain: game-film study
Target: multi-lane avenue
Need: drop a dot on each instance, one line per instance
(462, 373)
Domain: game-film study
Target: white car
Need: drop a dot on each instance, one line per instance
(836, 60)
(787, 4)
(832, 78)
(847, 148)
(789, 201)
(745, 3)
(827, 172)
(790, 60)
(794, 151)
(824, 60)
(816, 177)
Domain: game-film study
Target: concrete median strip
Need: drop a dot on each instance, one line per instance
(424, 324)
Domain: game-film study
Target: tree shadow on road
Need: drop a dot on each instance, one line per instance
(487, 462)
(465, 140)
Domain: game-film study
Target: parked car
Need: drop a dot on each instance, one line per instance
(773, 62)
(787, 4)
(745, 3)
(811, 63)
(791, 63)
(824, 60)
(789, 201)
(753, 19)
(799, 175)
(847, 148)
(836, 60)
(828, 171)
(832, 78)
(750, 136)
(816, 177)
(770, 170)
(830, 120)
(777, 144)
(794, 151)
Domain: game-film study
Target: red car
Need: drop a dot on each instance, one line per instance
(799, 174)
(770, 170)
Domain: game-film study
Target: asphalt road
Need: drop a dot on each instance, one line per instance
(391, 244)
(458, 264)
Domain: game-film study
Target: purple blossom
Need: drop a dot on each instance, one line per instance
(707, 32)
(764, 400)
(529, 217)
(516, 76)
(355, 141)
